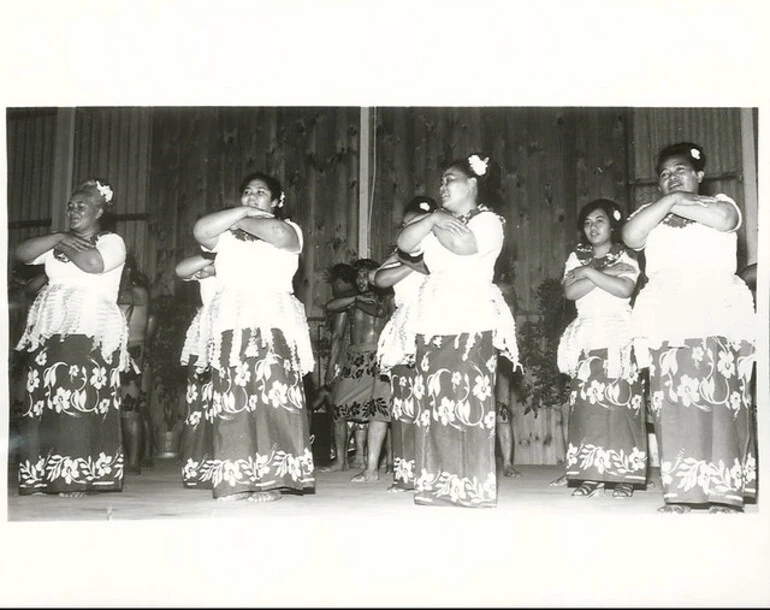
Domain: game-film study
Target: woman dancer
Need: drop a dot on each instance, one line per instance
(261, 348)
(197, 433)
(461, 323)
(694, 325)
(77, 336)
(396, 346)
(607, 442)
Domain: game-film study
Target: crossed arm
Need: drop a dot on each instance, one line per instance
(252, 220)
(79, 250)
(580, 281)
(710, 211)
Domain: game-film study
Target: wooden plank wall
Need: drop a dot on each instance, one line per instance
(547, 162)
(718, 130)
(200, 155)
(114, 144)
(30, 153)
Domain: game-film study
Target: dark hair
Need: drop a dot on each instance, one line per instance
(420, 205)
(94, 187)
(365, 264)
(464, 165)
(613, 211)
(343, 272)
(486, 188)
(273, 184)
(692, 152)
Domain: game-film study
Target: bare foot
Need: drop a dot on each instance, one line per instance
(560, 482)
(366, 477)
(358, 463)
(242, 495)
(336, 467)
(717, 509)
(510, 471)
(674, 509)
(265, 496)
(395, 489)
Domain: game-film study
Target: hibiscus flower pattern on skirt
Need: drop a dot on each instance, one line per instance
(197, 432)
(607, 439)
(360, 394)
(455, 418)
(71, 422)
(403, 411)
(260, 427)
(701, 403)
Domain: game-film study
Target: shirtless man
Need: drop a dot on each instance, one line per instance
(359, 394)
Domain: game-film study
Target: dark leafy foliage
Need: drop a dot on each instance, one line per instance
(543, 386)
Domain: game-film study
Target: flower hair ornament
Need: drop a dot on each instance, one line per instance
(616, 214)
(424, 206)
(281, 199)
(478, 165)
(104, 190)
(695, 153)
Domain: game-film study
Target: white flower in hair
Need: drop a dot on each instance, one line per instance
(478, 165)
(281, 199)
(425, 206)
(104, 190)
(695, 153)
(616, 214)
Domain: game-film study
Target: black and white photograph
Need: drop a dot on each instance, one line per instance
(381, 305)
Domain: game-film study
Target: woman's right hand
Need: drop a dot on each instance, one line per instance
(74, 242)
(619, 269)
(684, 198)
(252, 212)
(445, 221)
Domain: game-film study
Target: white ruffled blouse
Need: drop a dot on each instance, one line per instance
(397, 342)
(198, 338)
(257, 294)
(603, 321)
(78, 303)
(693, 291)
(459, 297)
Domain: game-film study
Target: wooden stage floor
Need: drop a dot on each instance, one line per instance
(355, 545)
(157, 493)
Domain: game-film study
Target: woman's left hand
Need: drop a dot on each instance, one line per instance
(693, 199)
(257, 213)
(578, 273)
(444, 220)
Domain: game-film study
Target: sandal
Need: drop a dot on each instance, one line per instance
(588, 489)
(623, 490)
(675, 509)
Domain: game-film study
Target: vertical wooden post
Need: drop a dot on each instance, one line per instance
(364, 178)
(61, 184)
(750, 197)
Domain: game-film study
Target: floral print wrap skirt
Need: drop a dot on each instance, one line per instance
(260, 426)
(701, 404)
(607, 437)
(71, 424)
(455, 418)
